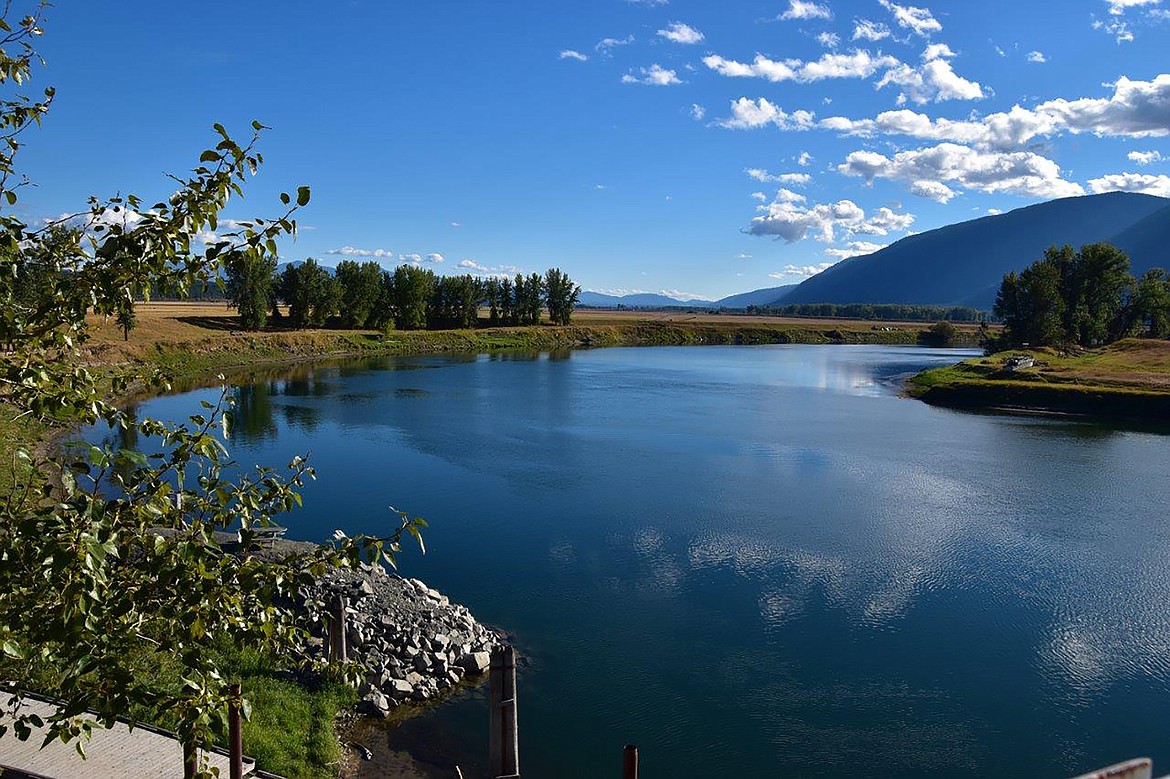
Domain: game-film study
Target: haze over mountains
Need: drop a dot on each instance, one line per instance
(963, 264)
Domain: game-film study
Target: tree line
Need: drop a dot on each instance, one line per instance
(1081, 297)
(366, 296)
(896, 312)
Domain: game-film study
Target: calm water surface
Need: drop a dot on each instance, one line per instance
(755, 561)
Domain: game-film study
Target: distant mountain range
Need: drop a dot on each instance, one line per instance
(963, 264)
(757, 297)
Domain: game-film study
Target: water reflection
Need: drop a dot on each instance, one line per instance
(768, 553)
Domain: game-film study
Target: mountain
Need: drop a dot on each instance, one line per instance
(638, 300)
(1146, 242)
(758, 297)
(963, 264)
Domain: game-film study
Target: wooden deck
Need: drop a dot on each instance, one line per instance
(117, 753)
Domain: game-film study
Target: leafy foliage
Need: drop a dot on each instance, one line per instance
(110, 562)
(1085, 297)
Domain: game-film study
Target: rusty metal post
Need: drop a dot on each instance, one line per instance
(190, 760)
(338, 646)
(235, 734)
(504, 750)
(630, 762)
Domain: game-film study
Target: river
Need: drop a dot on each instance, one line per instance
(755, 561)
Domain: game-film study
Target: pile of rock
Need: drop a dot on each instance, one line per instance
(411, 640)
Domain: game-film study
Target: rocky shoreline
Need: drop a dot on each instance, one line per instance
(412, 643)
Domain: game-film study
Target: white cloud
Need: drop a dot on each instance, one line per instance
(856, 64)
(759, 196)
(570, 54)
(605, 44)
(655, 76)
(1132, 182)
(649, 3)
(456, 224)
(801, 270)
(698, 112)
(1037, 57)
(1136, 109)
(785, 218)
(1021, 173)
(937, 51)
(742, 256)
(804, 159)
(855, 249)
(994, 212)
(415, 258)
(788, 196)
(830, 40)
(805, 9)
(484, 271)
(920, 20)
(798, 179)
(865, 30)
(934, 190)
(678, 294)
(884, 222)
(1118, 28)
(1119, 7)
(933, 80)
(749, 114)
(681, 33)
(350, 251)
(1145, 157)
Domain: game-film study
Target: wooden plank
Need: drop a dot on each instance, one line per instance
(116, 753)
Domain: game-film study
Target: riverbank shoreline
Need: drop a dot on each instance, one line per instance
(1126, 381)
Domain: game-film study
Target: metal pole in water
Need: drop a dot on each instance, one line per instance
(504, 758)
(630, 762)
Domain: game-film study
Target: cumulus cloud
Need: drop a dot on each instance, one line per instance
(855, 249)
(1132, 182)
(1119, 7)
(865, 30)
(920, 20)
(1037, 57)
(759, 196)
(678, 294)
(805, 9)
(485, 271)
(352, 251)
(749, 114)
(787, 219)
(759, 174)
(698, 112)
(830, 40)
(681, 33)
(1145, 157)
(1020, 173)
(804, 160)
(933, 80)
(655, 76)
(859, 63)
(570, 54)
(801, 270)
(1136, 109)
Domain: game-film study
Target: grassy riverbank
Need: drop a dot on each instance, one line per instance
(1126, 380)
(191, 339)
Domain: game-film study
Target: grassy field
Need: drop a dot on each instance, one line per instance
(1129, 379)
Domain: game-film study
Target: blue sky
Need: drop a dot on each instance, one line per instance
(690, 147)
